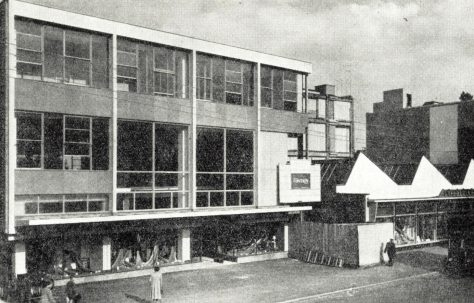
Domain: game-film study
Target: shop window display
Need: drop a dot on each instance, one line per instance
(405, 230)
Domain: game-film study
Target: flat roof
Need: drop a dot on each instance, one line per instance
(127, 216)
(58, 16)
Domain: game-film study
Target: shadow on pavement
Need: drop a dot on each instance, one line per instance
(137, 298)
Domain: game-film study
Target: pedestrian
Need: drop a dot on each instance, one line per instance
(156, 285)
(391, 251)
(46, 291)
(72, 296)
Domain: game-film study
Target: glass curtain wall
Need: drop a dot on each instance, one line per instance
(152, 166)
(152, 69)
(54, 54)
(279, 88)
(224, 161)
(225, 80)
(56, 141)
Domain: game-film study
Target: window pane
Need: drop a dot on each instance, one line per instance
(342, 110)
(342, 139)
(278, 89)
(218, 79)
(29, 56)
(290, 96)
(31, 208)
(210, 150)
(134, 180)
(134, 146)
(51, 207)
(28, 154)
(164, 83)
(203, 66)
(77, 149)
(248, 85)
(247, 198)
(266, 77)
(124, 201)
(53, 54)
(128, 72)
(204, 89)
(239, 150)
(77, 71)
(239, 182)
(82, 136)
(143, 201)
(210, 181)
(317, 137)
(289, 106)
(164, 59)
(97, 206)
(100, 65)
(202, 199)
(232, 199)
(53, 141)
(290, 76)
(232, 76)
(232, 87)
(217, 199)
(75, 206)
(77, 44)
(169, 148)
(266, 97)
(127, 59)
(166, 181)
(77, 122)
(29, 71)
(233, 65)
(162, 200)
(126, 84)
(76, 162)
(233, 98)
(126, 45)
(28, 126)
(100, 144)
(28, 27)
(28, 42)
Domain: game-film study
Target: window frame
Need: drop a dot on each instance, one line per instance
(128, 66)
(165, 72)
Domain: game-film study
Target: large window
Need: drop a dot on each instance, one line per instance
(152, 166)
(54, 54)
(54, 141)
(279, 88)
(342, 110)
(342, 140)
(151, 69)
(317, 137)
(225, 80)
(60, 204)
(224, 161)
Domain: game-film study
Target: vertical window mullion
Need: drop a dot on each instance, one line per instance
(42, 53)
(225, 167)
(64, 57)
(90, 143)
(42, 142)
(64, 141)
(212, 78)
(174, 75)
(153, 167)
(90, 62)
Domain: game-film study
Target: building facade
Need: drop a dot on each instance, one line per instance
(398, 133)
(330, 132)
(125, 146)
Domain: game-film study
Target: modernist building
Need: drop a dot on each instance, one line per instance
(331, 128)
(125, 145)
(398, 133)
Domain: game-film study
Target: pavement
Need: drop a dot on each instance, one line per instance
(414, 277)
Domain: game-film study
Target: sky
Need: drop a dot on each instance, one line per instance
(363, 47)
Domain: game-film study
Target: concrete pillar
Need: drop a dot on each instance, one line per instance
(193, 134)
(286, 240)
(19, 259)
(106, 253)
(184, 245)
(114, 123)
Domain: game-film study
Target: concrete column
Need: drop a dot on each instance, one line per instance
(106, 253)
(184, 245)
(114, 123)
(286, 240)
(10, 121)
(258, 173)
(193, 134)
(19, 259)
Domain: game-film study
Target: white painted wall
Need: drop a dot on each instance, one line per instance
(372, 239)
(273, 148)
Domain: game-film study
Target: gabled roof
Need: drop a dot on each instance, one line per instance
(402, 174)
(455, 173)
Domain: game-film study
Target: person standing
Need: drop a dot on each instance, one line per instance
(156, 285)
(72, 296)
(46, 292)
(391, 251)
